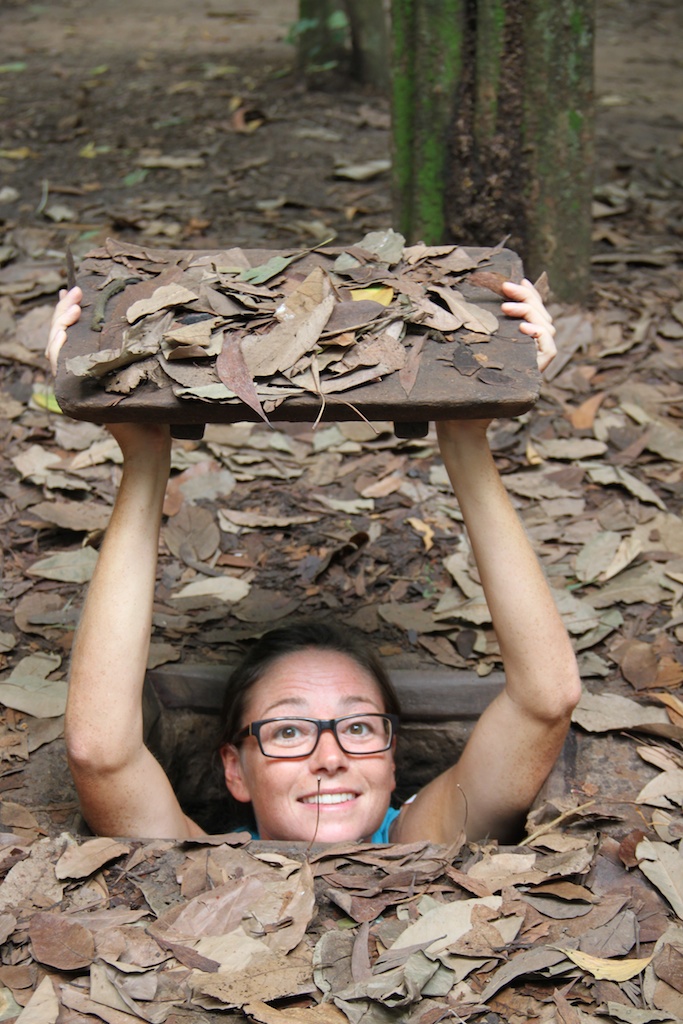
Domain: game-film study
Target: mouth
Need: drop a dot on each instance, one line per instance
(328, 798)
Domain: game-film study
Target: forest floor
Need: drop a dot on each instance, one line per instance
(205, 134)
(189, 126)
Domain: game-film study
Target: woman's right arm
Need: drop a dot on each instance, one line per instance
(122, 788)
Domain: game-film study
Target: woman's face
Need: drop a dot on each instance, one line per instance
(352, 795)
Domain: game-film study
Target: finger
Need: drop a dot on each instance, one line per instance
(538, 330)
(546, 350)
(525, 292)
(527, 311)
(545, 356)
(54, 347)
(521, 308)
(71, 315)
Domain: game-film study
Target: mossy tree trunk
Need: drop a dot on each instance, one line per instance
(493, 128)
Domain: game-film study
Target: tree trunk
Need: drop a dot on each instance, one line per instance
(427, 38)
(369, 42)
(493, 128)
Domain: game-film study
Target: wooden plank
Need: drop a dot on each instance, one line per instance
(425, 695)
(440, 390)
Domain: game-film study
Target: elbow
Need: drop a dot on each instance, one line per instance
(553, 699)
(577, 690)
(572, 687)
(566, 693)
(89, 756)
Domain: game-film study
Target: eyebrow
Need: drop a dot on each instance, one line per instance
(302, 702)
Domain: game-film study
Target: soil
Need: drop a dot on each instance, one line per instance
(95, 96)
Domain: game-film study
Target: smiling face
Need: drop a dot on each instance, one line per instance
(354, 791)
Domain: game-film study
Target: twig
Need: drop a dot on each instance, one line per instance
(70, 269)
(549, 825)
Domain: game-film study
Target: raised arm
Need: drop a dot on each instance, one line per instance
(122, 788)
(517, 740)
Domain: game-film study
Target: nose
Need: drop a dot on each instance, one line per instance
(328, 756)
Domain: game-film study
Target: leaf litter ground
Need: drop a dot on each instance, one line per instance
(581, 923)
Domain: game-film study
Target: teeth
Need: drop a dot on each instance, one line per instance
(328, 798)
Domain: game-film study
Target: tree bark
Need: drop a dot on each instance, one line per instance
(493, 128)
(427, 37)
(369, 43)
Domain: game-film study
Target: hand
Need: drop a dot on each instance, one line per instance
(537, 322)
(67, 312)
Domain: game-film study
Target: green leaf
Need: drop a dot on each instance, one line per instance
(44, 398)
(264, 272)
(135, 177)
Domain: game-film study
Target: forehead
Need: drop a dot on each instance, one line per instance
(314, 682)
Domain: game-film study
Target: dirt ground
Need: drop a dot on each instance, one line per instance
(188, 126)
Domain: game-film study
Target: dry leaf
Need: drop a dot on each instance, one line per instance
(605, 969)
(79, 861)
(232, 369)
(663, 865)
(58, 942)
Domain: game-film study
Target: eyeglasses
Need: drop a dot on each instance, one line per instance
(298, 737)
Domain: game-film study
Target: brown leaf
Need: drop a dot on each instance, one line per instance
(352, 316)
(638, 663)
(464, 360)
(61, 943)
(384, 348)
(282, 346)
(79, 861)
(192, 534)
(234, 372)
(473, 317)
(268, 976)
(187, 956)
(490, 279)
(408, 374)
(668, 965)
(323, 1013)
(566, 1013)
(306, 296)
(75, 999)
(583, 417)
(627, 848)
(195, 335)
(163, 297)
(80, 516)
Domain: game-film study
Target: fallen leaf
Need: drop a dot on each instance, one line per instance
(607, 969)
(81, 860)
(58, 942)
(201, 592)
(232, 369)
(663, 865)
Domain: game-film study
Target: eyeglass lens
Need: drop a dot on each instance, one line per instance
(297, 737)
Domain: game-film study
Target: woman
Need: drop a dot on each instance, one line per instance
(327, 770)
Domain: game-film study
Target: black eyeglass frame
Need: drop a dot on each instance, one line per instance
(323, 724)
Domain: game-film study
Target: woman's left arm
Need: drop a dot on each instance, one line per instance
(516, 742)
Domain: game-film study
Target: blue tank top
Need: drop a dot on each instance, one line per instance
(382, 833)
